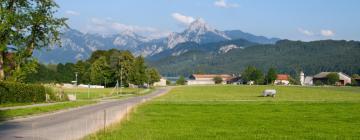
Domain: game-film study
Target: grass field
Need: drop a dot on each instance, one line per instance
(6, 114)
(85, 93)
(238, 112)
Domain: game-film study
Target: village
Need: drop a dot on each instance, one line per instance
(319, 79)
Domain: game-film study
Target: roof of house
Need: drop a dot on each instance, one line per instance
(224, 76)
(324, 74)
(282, 77)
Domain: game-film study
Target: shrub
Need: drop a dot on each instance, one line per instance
(168, 82)
(332, 78)
(21, 93)
(181, 81)
(318, 83)
(218, 80)
(55, 94)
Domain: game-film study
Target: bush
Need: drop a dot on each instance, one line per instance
(168, 82)
(332, 78)
(181, 81)
(55, 94)
(21, 93)
(218, 80)
(318, 83)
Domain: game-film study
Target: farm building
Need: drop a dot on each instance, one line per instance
(322, 78)
(282, 79)
(207, 79)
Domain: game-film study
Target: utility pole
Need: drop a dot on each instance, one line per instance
(76, 90)
(105, 82)
(121, 80)
(88, 91)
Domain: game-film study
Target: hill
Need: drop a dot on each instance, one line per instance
(287, 56)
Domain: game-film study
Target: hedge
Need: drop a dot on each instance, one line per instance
(21, 93)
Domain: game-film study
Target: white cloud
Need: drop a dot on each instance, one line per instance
(306, 32)
(72, 13)
(224, 4)
(327, 33)
(108, 26)
(186, 20)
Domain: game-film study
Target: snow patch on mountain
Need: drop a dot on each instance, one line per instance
(198, 31)
(227, 48)
(179, 52)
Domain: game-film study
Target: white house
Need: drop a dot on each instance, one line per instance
(207, 79)
(161, 83)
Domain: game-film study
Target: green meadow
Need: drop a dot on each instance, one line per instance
(85, 93)
(239, 112)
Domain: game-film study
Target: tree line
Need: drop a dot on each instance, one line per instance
(102, 68)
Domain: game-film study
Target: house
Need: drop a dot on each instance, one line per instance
(322, 78)
(161, 83)
(236, 80)
(308, 81)
(282, 79)
(207, 79)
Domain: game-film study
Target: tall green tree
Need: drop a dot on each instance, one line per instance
(100, 71)
(271, 76)
(26, 25)
(152, 75)
(139, 76)
(253, 74)
(125, 68)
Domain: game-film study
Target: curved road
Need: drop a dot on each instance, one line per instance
(72, 124)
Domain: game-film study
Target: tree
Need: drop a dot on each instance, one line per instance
(353, 81)
(125, 68)
(139, 76)
(181, 80)
(100, 71)
(26, 25)
(152, 75)
(271, 76)
(253, 74)
(218, 80)
(332, 78)
(246, 74)
(82, 68)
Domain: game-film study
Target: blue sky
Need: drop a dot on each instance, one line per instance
(291, 19)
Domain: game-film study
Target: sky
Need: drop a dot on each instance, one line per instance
(287, 19)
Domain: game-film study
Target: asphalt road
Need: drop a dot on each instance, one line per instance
(72, 124)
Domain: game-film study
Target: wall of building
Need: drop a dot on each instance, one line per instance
(200, 82)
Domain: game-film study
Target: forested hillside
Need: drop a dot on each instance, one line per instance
(287, 56)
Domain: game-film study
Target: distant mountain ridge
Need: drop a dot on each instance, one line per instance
(79, 46)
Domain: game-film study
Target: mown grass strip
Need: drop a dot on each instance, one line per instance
(8, 114)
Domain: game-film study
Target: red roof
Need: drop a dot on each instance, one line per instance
(282, 77)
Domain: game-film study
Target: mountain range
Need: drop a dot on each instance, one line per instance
(79, 46)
